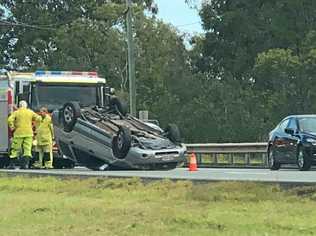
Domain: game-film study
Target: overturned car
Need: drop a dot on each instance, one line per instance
(109, 138)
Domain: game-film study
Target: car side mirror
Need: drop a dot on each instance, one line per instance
(289, 131)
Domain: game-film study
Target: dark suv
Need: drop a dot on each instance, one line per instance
(293, 141)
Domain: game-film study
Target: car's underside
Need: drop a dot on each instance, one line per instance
(106, 137)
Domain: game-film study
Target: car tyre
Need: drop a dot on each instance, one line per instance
(70, 113)
(118, 105)
(173, 133)
(121, 143)
(273, 164)
(304, 161)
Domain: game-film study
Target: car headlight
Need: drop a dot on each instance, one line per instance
(311, 140)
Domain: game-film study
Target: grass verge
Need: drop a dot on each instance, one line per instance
(50, 206)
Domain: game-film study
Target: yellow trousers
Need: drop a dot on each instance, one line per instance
(45, 156)
(21, 146)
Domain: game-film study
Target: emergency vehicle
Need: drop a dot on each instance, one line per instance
(50, 89)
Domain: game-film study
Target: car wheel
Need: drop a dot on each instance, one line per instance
(304, 161)
(70, 114)
(121, 143)
(118, 105)
(273, 164)
(173, 133)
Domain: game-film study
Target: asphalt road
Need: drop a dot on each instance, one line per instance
(209, 174)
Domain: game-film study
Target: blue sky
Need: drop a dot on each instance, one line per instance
(179, 14)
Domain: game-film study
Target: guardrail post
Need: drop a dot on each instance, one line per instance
(231, 157)
(215, 158)
(199, 158)
(264, 160)
(247, 157)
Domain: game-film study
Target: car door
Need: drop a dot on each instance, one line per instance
(279, 143)
(291, 142)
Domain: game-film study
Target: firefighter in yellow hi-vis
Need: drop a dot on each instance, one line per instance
(20, 122)
(44, 140)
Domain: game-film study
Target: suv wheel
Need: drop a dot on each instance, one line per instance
(70, 114)
(121, 143)
(273, 164)
(304, 161)
(173, 133)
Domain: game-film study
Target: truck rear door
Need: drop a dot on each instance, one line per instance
(5, 100)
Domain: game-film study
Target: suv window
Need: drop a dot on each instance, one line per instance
(283, 125)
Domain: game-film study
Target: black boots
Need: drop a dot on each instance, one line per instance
(35, 157)
(24, 162)
(12, 163)
(46, 157)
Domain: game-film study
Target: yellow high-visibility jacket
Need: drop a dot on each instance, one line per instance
(21, 122)
(44, 131)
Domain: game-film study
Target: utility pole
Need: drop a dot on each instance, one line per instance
(131, 59)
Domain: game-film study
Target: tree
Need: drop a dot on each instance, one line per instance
(238, 30)
(257, 63)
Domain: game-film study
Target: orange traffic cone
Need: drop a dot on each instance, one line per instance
(192, 163)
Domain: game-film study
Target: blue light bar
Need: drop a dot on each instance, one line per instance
(40, 72)
(56, 72)
(65, 73)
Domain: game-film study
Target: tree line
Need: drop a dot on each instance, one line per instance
(253, 65)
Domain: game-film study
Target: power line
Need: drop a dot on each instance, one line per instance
(47, 27)
(188, 24)
(42, 27)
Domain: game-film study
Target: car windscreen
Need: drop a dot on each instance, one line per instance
(307, 124)
(54, 96)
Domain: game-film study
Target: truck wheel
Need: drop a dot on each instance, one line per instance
(70, 114)
(173, 133)
(121, 143)
(118, 105)
(4, 161)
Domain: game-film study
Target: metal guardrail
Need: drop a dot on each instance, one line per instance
(229, 154)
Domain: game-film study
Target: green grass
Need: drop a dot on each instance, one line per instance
(49, 206)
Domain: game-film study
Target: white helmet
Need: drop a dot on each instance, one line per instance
(23, 104)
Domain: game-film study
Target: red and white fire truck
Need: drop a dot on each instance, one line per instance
(50, 89)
